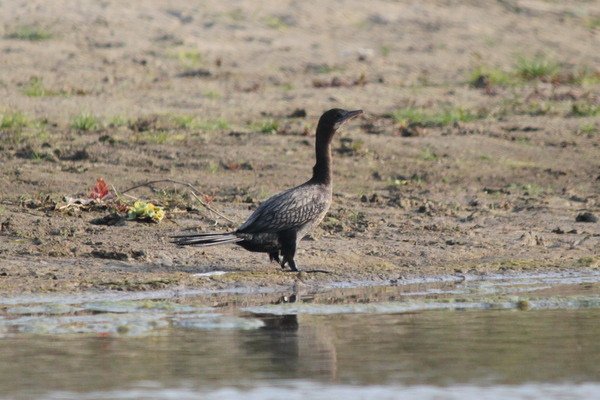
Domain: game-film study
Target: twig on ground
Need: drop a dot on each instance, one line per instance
(122, 193)
(191, 187)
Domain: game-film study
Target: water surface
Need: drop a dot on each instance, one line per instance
(533, 338)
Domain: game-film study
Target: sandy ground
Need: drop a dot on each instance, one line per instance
(204, 93)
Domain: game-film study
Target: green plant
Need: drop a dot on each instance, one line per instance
(593, 22)
(534, 107)
(144, 211)
(184, 121)
(35, 88)
(207, 125)
(538, 67)
(589, 79)
(397, 182)
(417, 116)
(118, 120)
(529, 189)
(159, 137)
(30, 33)
(490, 40)
(586, 76)
(287, 86)
(266, 126)
(583, 109)
(528, 69)
(41, 133)
(325, 68)
(210, 125)
(276, 22)
(212, 94)
(189, 58)
(212, 167)
(522, 139)
(236, 15)
(38, 157)
(351, 146)
(518, 164)
(518, 106)
(14, 120)
(428, 154)
(493, 76)
(589, 129)
(85, 122)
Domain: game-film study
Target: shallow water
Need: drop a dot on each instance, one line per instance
(520, 337)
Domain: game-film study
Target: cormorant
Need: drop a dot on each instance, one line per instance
(281, 221)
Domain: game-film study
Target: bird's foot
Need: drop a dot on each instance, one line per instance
(275, 257)
(292, 265)
(290, 262)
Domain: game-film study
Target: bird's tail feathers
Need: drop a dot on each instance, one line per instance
(206, 239)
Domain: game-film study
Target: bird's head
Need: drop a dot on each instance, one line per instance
(331, 120)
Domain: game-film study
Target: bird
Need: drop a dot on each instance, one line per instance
(280, 222)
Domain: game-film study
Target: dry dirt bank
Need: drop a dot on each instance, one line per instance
(479, 148)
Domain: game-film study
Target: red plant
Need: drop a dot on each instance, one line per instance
(208, 198)
(120, 206)
(100, 190)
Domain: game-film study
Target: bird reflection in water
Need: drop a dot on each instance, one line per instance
(296, 346)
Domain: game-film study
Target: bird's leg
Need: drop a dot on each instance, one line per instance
(274, 256)
(288, 249)
(289, 261)
(292, 264)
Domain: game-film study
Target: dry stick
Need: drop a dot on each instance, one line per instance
(189, 185)
(201, 202)
(128, 195)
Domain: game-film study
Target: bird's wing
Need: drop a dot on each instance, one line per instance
(287, 210)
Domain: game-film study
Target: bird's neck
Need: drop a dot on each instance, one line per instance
(322, 168)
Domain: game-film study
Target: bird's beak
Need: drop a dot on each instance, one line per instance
(351, 114)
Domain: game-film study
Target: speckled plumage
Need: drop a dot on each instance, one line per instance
(281, 221)
(292, 209)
